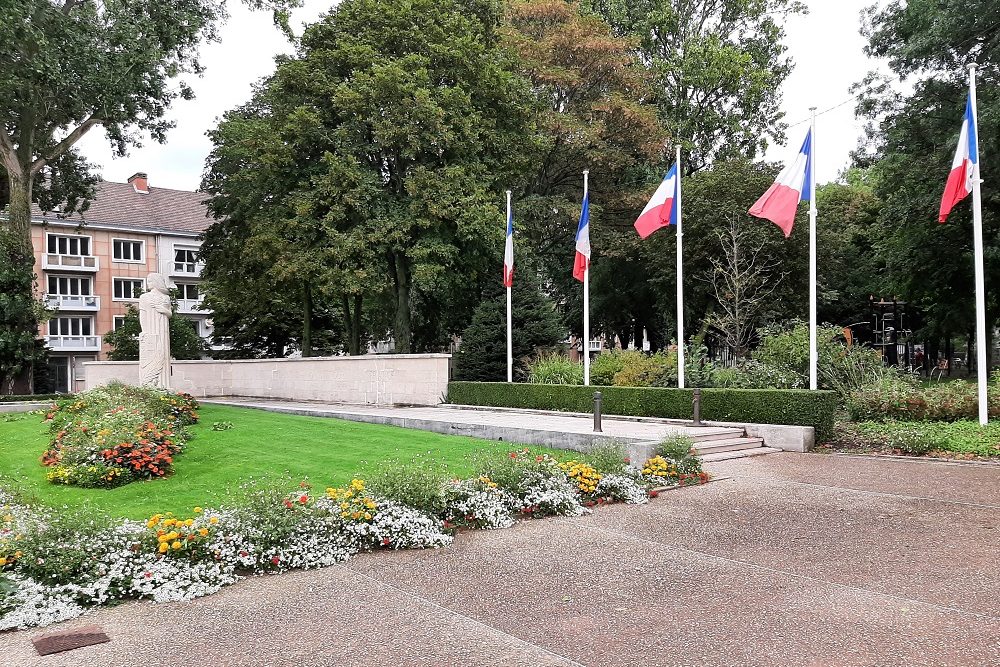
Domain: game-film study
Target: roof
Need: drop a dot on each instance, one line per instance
(162, 210)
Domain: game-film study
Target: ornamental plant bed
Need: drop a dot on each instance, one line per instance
(961, 440)
(55, 564)
(117, 434)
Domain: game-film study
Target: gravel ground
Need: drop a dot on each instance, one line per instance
(792, 560)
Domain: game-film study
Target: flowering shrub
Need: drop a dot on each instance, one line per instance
(479, 503)
(583, 475)
(623, 488)
(660, 472)
(116, 434)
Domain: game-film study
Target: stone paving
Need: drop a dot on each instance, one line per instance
(793, 559)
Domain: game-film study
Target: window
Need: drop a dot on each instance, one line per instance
(185, 260)
(128, 288)
(194, 325)
(119, 321)
(68, 245)
(71, 326)
(125, 250)
(68, 286)
(187, 291)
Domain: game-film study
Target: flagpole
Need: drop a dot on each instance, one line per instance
(586, 302)
(680, 280)
(510, 338)
(977, 231)
(813, 354)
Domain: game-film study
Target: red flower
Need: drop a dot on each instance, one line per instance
(275, 560)
(288, 503)
(513, 455)
(539, 459)
(303, 499)
(654, 494)
(385, 541)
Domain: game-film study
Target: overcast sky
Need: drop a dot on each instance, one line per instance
(825, 45)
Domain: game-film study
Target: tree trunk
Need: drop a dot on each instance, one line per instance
(307, 308)
(352, 322)
(19, 208)
(401, 284)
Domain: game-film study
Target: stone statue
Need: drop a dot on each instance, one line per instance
(154, 341)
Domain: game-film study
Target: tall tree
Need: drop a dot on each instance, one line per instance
(385, 138)
(717, 69)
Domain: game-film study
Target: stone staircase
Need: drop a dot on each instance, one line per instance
(720, 443)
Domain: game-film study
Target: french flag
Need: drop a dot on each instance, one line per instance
(964, 167)
(782, 199)
(582, 262)
(660, 211)
(508, 251)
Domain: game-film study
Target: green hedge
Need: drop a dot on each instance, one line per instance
(34, 397)
(759, 406)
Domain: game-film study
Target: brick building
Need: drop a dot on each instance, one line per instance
(90, 267)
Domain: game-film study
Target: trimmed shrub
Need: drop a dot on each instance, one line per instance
(632, 368)
(760, 406)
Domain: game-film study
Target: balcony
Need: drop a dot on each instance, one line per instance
(74, 343)
(88, 303)
(190, 306)
(596, 345)
(55, 262)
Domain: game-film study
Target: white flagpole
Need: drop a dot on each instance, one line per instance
(813, 354)
(586, 301)
(510, 338)
(977, 231)
(680, 280)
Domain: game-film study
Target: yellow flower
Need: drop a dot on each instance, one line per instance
(176, 545)
(214, 520)
(18, 554)
(163, 547)
(203, 532)
(197, 510)
(3, 561)
(368, 517)
(189, 523)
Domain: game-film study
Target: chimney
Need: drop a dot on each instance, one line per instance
(140, 182)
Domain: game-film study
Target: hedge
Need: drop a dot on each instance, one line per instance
(34, 397)
(759, 406)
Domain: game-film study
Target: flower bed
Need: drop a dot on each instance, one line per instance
(56, 564)
(117, 434)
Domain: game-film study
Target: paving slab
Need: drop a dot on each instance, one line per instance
(775, 565)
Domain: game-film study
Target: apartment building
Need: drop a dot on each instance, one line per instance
(90, 267)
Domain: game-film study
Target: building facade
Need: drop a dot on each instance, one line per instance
(91, 267)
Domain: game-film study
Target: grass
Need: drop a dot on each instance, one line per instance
(263, 448)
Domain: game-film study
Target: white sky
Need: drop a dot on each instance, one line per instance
(825, 45)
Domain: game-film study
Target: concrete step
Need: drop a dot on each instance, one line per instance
(727, 445)
(712, 433)
(739, 453)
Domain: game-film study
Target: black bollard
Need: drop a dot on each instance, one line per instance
(597, 412)
(697, 407)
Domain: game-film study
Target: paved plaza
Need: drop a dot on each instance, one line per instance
(792, 559)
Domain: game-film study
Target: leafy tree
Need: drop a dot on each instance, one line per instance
(717, 68)
(383, 143)
(911, 141)
(185, 343)
(19, 312)
(534, 324)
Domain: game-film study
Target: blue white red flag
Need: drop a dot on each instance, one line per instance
(508, 251)
(781, 200)
(964, 167)
(661, 210)
(582, 263)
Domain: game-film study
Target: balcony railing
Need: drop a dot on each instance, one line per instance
(55, 261)
(73, 302)
(190, 306)
(74, 343)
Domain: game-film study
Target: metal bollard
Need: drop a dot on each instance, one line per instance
(597, 412)
(697, 407)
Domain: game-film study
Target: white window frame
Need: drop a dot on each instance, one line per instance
(115, 279)
(90, 244)
(93, 325)
(182, 293)
(142, 251)
(173, 259)
(59, 276)
(115, 325)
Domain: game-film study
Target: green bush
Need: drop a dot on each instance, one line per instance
(675, 447)
(34, 397)
(555, 369)
(607, 459)
(760, 406)
(961, 437)
(418, 485)
(901, 398)
(632, 368)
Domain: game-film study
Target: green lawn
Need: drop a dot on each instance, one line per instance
(263, 447)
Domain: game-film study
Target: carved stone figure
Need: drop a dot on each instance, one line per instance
(154, 340)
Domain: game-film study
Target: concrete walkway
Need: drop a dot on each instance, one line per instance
(794, 560)
(530, 427)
